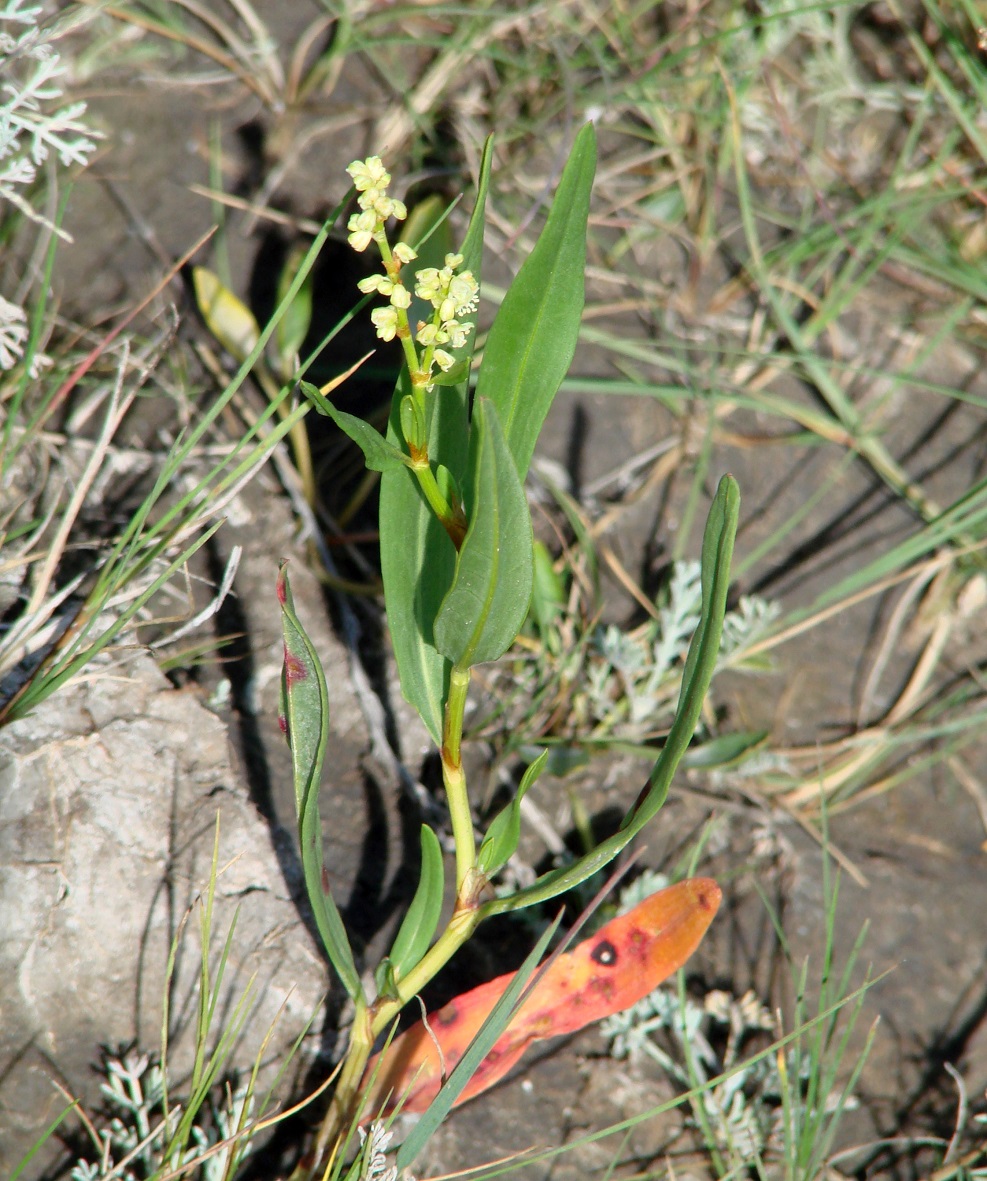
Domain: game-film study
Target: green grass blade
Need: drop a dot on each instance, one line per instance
(479, 1048)
(42, 1140)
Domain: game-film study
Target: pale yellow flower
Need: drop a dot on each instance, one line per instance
(400, 296)
(369, 174)
(362, 227)
(385, 321)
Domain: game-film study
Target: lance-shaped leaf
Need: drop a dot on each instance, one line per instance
(378, 454)
(415, 933)
(416, 556)
(532, 340)
(605, 974)
(505, 829)
(294, 324)
(718, 539)
(489, 597)
(305, 717)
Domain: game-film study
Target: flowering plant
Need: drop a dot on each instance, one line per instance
(457, 563)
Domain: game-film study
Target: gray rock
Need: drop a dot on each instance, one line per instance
(109, 797)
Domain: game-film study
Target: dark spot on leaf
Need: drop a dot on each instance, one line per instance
(602, 987)
(294, 670)
(325, 881)
(283, 723)
(604, 953)
(447, 1015)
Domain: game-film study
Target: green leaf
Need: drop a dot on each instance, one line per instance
(378, 454)
(479, 1048)
(729, 750)
(562, 758)
(718, 539)
(416, 556)
(293, 326)
(548, 592)
(532, 340)
(489, 598)
(305, 710)
(417, 562)
(504, 832)
(422, 919)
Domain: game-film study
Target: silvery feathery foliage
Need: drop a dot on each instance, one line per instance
(373, 1161)
(631, 670)
(35, 126)
(740, 1109)
(131, 1143)
(13, 333)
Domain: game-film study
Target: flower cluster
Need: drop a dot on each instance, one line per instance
(452, 293)
(371, 179)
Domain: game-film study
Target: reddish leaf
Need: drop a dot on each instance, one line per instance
(605, 974)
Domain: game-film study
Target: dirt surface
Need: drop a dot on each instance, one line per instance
(915, 854)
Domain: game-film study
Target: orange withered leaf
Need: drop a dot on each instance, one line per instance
(614, 969)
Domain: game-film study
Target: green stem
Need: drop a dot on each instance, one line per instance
(342, 1111)
(454, 523)
(461, 926)
(454, 778)
(368, 1023)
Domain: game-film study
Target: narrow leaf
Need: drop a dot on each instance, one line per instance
(378, 454)
(491, 592)
(532, 340)
(422, 919)
(718, 539)
(305, 712)
(294, 324)
(504, 832)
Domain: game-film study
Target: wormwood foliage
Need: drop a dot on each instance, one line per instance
(35, 125)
